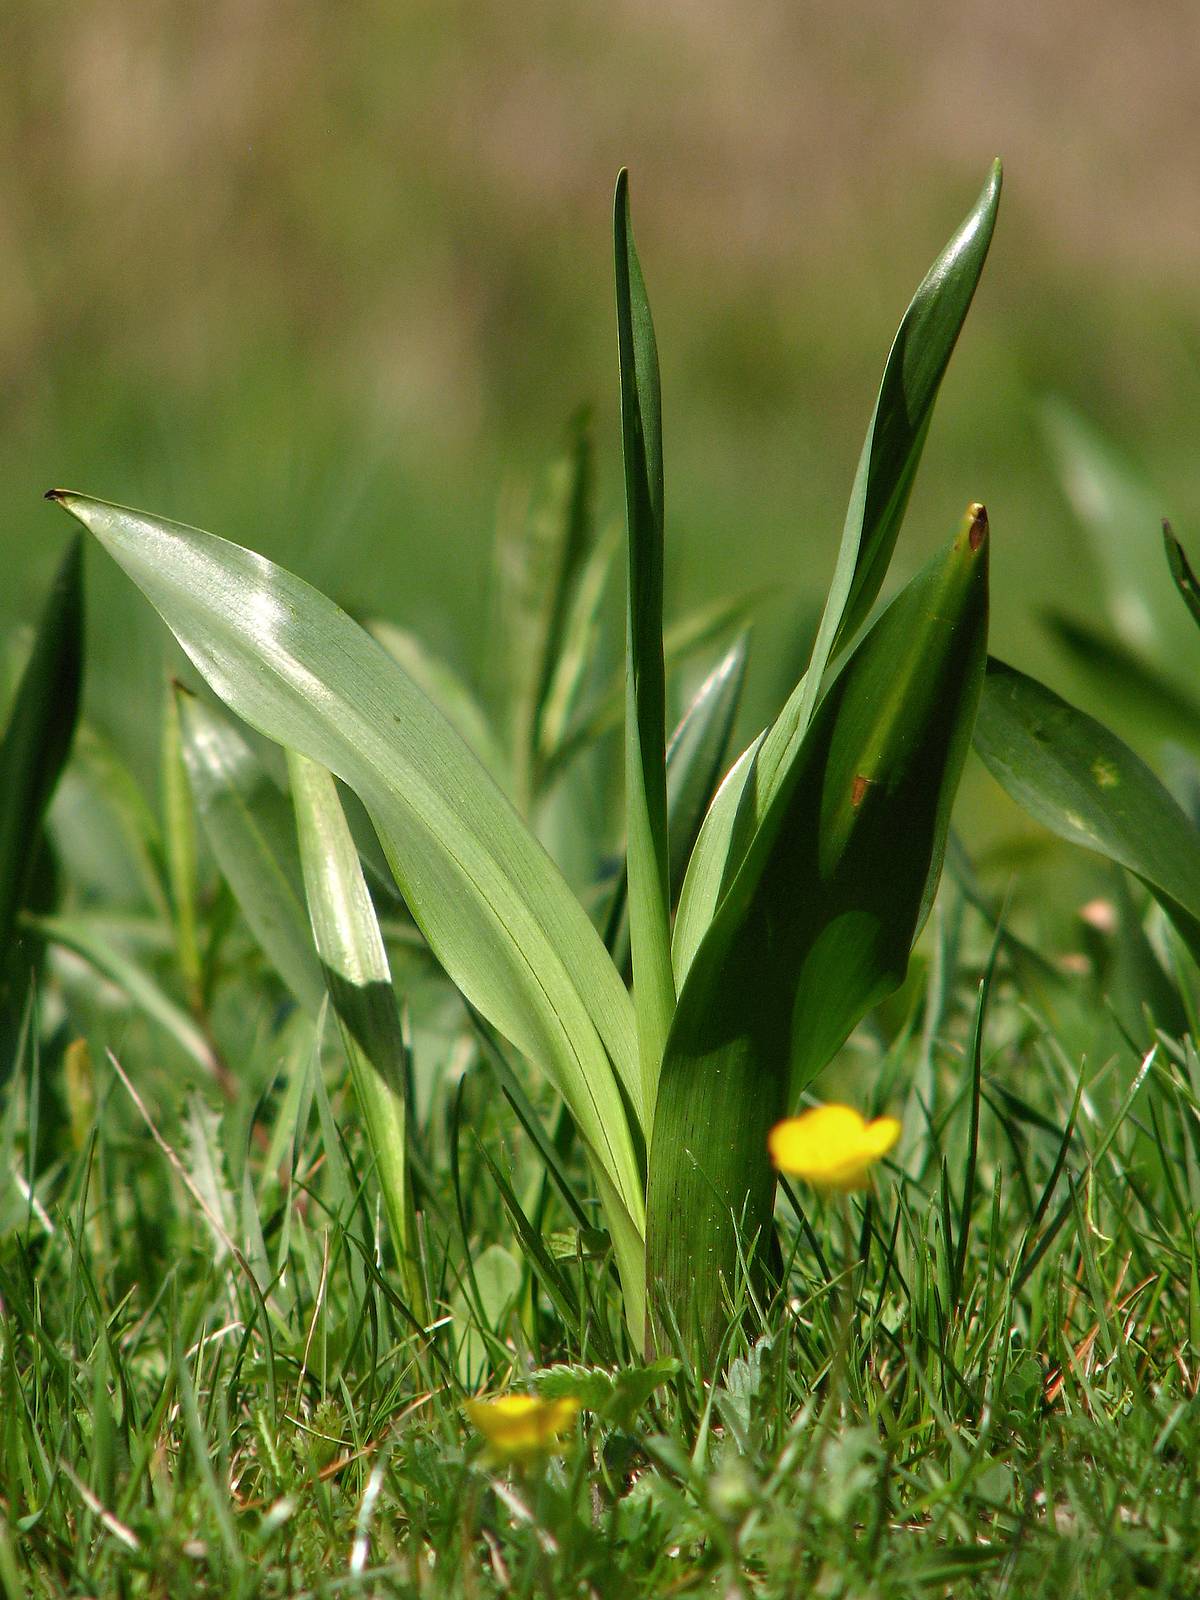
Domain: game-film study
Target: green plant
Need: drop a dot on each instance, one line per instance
(812, 873)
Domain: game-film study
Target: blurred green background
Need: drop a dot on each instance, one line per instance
(329, 280)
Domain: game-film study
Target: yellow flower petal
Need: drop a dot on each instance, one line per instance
(831, 1147)
(520, 1426)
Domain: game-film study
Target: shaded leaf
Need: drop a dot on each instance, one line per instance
(251, 830)
(817, 925)
(645, 675)
(883, 482)
(1079, 780)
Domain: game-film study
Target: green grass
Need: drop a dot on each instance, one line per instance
(958, 1394)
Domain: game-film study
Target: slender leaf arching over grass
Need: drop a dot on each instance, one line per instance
(248, 822)
(817, 925)
(887, 469)
(359, 981)
(645, 683)
(1084, 784)
(37, 739)
(493, 907)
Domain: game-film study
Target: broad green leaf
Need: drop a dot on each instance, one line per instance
(887, 469)
(645, 674)
(37, 739)
(359, 982)
(816, 927)
(1130, 684)
(492, 906)
(250, 828)
(438, 680)
(1080, 781)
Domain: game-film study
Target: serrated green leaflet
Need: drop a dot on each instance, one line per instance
(493, 907)
(645, 683)
(1082, 782)
(887, 468)
(817, 925)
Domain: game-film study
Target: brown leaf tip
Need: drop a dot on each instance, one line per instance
(979, 524)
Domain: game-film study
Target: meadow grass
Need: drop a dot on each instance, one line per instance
(977, 1379)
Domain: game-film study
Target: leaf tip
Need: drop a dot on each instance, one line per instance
(977, 529)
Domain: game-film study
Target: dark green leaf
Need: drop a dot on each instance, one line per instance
(1181, 572)
(1080, 781)
(645, 675)
(887, 469)
(816, 927)
(34, 750)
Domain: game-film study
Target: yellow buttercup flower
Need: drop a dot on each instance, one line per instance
(831, 1147)
(518, 1427)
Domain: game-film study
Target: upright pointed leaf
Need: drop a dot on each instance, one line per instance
(887, 469)
(37, 739)
(492, 906)
(645, 681)
(359, 981)
(817, 925)
(251, 830)
(1084, 784)
(694, 759)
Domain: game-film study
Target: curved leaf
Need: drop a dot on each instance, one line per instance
(887, 469)
(491, 904)
(1083, 783)
(250, 828)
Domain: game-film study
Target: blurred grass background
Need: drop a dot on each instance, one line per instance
(329, 280)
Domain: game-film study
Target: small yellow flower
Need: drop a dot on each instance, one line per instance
(519, 1427)
(831, 1147)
